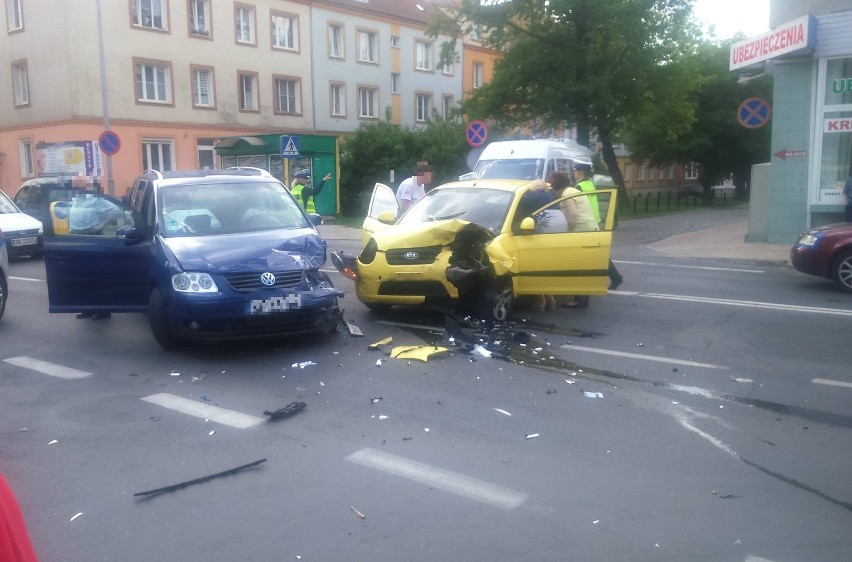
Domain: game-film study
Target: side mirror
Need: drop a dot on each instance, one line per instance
(316, 218)
(130, 234)
(528, 225)
(387, 217)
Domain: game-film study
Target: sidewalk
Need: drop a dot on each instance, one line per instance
(721, 242)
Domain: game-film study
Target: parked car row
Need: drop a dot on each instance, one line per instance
(23, 233)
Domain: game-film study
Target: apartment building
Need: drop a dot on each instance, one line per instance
(171, 78)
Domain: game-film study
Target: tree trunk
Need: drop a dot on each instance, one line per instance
(611, 162)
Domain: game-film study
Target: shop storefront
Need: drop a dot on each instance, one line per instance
(316, 153)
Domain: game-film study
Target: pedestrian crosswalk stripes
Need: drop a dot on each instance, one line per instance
(47, 368)
(204, 411)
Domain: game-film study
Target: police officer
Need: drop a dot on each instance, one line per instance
(583, 172)
(304, 192)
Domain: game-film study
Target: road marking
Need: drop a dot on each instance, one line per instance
(830, 382)
(750, 304)
(204, 411)
(46, 368)
(704, 267)
(643, 356)
(459, 484)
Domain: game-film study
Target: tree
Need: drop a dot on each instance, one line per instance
(589, 62)
(374, 149)
(712, 137)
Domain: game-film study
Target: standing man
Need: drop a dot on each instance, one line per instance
(304, 192)
(583, 172)
(414, 188)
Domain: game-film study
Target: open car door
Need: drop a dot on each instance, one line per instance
(383, 200)
(565, 263)
(96, 255)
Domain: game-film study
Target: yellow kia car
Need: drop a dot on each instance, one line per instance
(469, 243)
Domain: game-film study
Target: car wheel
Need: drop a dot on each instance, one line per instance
(4, 292)
(498, 301)
(841, 271)
(157, 318)
(378, 306)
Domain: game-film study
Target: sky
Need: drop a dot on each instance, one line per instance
(730, 16)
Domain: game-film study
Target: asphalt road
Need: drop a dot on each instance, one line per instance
(721, 430)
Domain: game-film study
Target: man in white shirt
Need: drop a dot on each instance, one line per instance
(412, 189)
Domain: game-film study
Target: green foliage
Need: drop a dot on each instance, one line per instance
(368, 155)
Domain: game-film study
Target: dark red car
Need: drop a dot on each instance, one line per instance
(826, 251)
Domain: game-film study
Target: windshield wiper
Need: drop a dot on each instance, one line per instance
(446, 217)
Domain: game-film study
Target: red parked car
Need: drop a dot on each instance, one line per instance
(826, 251)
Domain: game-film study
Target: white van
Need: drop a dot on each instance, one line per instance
(529, 159)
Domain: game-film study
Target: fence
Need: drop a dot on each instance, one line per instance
(663, 202)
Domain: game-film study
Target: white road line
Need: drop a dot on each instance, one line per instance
(204, 411)
(750, 304)
(643, 356)
(46, 368)
(830, 382)
(704, 267)
(459, 484)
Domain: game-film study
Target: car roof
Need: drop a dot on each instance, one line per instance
(191, 177)
(500, 184)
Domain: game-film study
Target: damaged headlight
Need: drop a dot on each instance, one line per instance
(808, 239)
(194, 283)
(368, 254)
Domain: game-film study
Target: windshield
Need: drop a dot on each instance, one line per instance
(516, 168)
(227, 208)
(486, 207)
(6, 205)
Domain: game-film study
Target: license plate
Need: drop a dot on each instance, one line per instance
(28, 241)
(272, 305)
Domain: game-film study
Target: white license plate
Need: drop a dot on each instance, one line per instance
(272, 305)
(28, 241)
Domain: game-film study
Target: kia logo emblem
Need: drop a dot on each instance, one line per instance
(267, 279)
(411, 255)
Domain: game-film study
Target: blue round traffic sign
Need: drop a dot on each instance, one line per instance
(754, 113)
(476, 133)
(109, 142)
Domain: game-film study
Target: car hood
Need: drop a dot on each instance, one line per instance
(256, 251)
(438, 233)
(10, 222)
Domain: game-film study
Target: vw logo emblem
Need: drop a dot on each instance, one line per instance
(411, 255)
(267, 279)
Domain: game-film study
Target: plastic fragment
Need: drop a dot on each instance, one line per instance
(378, 362)
(303, 364)
(211, 432)
(174, 487)
(353, 328)
(737, 379)
(286, 411)
(479, 350)
(426, 429)
(376, 400)
(76, 516)
(588, 394)
(52, 442)
(174, 374)
(531, 435)
(379, 343)
(358, 513)
(419, 352)
(596, 521)
(383, 417)
(502, 411)
(570, 381)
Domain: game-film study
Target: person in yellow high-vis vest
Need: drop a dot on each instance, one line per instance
(583, 172)
(304, 192)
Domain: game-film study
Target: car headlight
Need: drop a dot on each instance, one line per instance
(194, 283)
(807, 239)
(368, 254)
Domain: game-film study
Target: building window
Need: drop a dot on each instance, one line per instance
(248, 91)
(478, 74)
(287, 95)
(206, 154)
(475, 32)
(14, 15)
(153, 82)
(337, 93)
(394, 41)
(25, 151)
(368, 102)
(449, 69)
(640, 171)
(447, 103)
(395, 82)
(424, 107)
(628, 169)
(285, 31)
(651, 174)
(335, 41)
(202, 87)
(671, 172)
(21, 83)
(368, 47)
(423, 55)
(244, 20)
(158, 154)
(149, 14)
(199, 18)
(690, 171)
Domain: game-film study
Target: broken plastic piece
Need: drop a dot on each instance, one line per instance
(479, 350)
(353, 328)
(76, 516)
(358, 513)
(174, 487)
(286, 411)
(502, 411)
(303, 364)
(419, 352)
(588, 394)
(531, 435)
(380, 342)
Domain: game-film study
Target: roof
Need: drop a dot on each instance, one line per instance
(502, 185)
(419, 11)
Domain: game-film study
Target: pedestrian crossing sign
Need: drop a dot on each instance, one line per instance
(290, 147)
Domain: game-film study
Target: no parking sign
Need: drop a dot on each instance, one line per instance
(476, 133)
